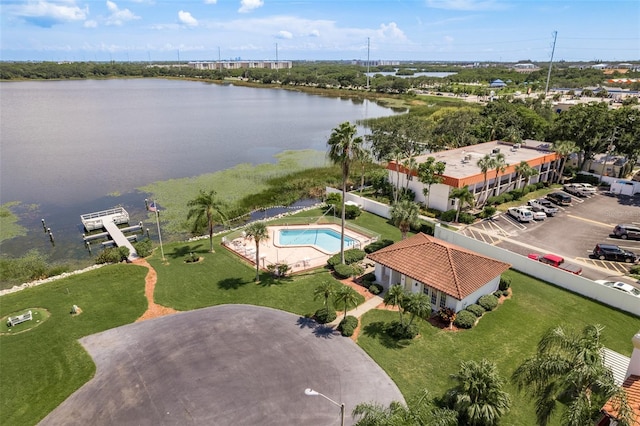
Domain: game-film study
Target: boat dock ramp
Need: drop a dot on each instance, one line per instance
(109, 221)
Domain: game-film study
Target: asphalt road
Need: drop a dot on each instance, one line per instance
(226, 365)
(572, 233)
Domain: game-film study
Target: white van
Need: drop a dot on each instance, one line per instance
(521, 214)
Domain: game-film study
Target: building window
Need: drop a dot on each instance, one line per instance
(443, 300)
(434, 297)
(425, 290)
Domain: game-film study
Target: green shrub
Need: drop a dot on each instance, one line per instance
(371, 277)
(446, 315)
(426, 228)
(375, 288)
(465, 319)
(517, 193)
(143, 248)
(584, 178)
(377, 245)
(325, 315)
(476, 310)
(635, 270)
(344, 271)
(350, 211)
(492, 201)
(541, 185)
(350, 256)
(487, 212)
(488, 301)
(448, 216)
(497, 294)
(507, 197)
(402, 331)
(348, 325)
(467, 218)
(112, 255)
(505, 283)
(505, 293)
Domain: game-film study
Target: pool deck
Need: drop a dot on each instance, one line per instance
(299, 258)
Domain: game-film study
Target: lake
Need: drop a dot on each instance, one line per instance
(72, 147)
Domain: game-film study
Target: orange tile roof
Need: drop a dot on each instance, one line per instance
(632, 388)
(451, 269)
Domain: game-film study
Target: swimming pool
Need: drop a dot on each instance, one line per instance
(326, 239)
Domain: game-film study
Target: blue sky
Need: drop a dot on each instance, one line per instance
(428, 30)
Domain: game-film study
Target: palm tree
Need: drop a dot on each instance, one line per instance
(478, 396)
(485, 164)
(325, 289)
(567, 368)
(524, 171)
(395, 297)
(410, 165)
(207, 210)
(344, 148)
(564, 149)
(404, 215)
(364, 157)
(259, 232)
(347, 297)
(464, 196)
(418, 305)
(500, 165)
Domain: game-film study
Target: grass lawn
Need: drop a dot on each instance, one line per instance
(41, 367)
(506, 336)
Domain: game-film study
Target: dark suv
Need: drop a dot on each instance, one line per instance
(625, 231)
(611, 252)
(559, 198)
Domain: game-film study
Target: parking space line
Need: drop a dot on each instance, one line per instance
(595, 222)
(514, 222)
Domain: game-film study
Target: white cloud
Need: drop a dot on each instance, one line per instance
(314, 33)
(468, 5)
(119, 16)
(210, 1)
(46, 14)
(90, 24)
(391, 31)
(285, 35)
(248, 5)
(187, 19)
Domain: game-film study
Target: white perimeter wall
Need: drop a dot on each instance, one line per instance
(371, 206)
(571, 282)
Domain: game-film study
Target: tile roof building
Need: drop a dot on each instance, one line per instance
(450, 275)
(461, 169)
(631, 386)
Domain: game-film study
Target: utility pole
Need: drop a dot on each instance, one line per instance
(555, 36)
(368, 45)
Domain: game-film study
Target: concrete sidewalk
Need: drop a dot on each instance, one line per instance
(372, 303)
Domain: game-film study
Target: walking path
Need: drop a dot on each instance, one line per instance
(153, 310)
(372, 303)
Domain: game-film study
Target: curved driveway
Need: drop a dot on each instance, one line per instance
(224, 365)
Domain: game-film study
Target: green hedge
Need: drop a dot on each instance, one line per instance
(476, 310)
(344, 271)
(505, 283)
(350, 256)
(348, 325)
(377, 245)
(489, 302)
(465, 319)
(325, 315)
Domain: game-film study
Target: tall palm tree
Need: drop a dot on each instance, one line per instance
(411, 166)
(564, 149)
(404, 215)
(364, 157)
(485, 164)
(344, 149)
(347, 297)
(395, 297)
(567, 368)
(259, 232)
(206, 210)
(324, 290)
(500, 165)
(478, 396)
(524, 171)
(464, 197)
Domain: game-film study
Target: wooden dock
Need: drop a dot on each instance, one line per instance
(109, 221)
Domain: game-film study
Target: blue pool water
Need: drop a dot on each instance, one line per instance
(326, 239)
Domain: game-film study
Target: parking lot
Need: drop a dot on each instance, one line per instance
(572, 233)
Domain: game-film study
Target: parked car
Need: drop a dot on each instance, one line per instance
(579, 189)
(612, 252)
(559, 198)
(521, 214)
(543, 205)
(537, 215)
(557, 262)
(624, 287)
(627, 231)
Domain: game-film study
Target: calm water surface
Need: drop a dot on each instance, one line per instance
(67, 145)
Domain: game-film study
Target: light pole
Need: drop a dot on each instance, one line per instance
(311, 392)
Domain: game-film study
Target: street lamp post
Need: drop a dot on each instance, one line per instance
(311, 392)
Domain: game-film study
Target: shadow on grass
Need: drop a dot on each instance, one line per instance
(267, 280)
(182, 251)
(232, 283)
(318, 330)
(378, 330)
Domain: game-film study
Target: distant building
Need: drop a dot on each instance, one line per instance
(378, 63)
(523, 68)
(236, 65)
(497, 83)
(461, 169)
